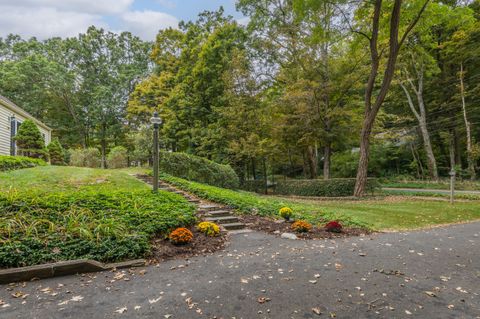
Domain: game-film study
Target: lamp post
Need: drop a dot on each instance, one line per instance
(156, 121)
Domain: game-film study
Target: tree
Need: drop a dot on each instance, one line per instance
(417, 63)
(30, 141)
(56, 152)
(373, 102)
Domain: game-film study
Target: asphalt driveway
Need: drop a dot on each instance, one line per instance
(424, 274)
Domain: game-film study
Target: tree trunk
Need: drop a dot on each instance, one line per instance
(312, 162)
(471, 161)
(362, 172)
(431, 162)
(327, 152)
(104, 146)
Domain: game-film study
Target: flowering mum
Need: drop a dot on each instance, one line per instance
(209, 228)
(286, 212)
(334, 227)
(180, 236)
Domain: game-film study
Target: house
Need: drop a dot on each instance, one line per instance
(11, 117)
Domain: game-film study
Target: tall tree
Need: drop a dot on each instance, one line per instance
(374, 98)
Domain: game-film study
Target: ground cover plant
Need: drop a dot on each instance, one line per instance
(383, 213)
(113, 219)
(105, 226)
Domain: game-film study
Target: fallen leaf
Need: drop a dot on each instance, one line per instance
(121, 310)
(312, 281)
(431, 294)
(263, 300)
(316, 311)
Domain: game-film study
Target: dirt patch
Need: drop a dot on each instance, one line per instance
(163, 249)
(277, 227)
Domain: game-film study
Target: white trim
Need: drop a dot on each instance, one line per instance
(16, 109)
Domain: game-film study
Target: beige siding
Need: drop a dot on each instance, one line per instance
(5, 115)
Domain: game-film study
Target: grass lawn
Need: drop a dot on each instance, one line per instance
(50, 179)
(391, 213)
(60, 213)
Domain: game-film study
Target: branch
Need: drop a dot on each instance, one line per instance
(413, 23)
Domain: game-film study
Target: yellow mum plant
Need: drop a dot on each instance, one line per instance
(286, 212)
(209, 229)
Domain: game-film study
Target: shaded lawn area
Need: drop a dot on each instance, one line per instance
(66, 178)
(389, 213)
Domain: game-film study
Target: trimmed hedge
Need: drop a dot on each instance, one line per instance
(105, 226)
(198, 169)
(337, 187)
(8, 163)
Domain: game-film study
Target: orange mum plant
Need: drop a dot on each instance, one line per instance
(301, 226)
(180, 236)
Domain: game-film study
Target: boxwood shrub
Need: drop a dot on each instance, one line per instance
(198, 169)
(338, 187)
(8, 163)
(105, 226)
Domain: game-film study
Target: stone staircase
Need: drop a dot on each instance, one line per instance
(208, 211)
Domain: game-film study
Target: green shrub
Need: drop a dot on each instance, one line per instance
(117, 158)
(8, 163)
(88, 157)
(105, 226)
(30, 141)
(337, 187)
(56, 152)
(198, 169)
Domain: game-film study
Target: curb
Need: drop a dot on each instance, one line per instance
(62, 268)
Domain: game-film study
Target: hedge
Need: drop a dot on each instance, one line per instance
(8, 163)
(198, 169)
(105, 226)
(337, 187)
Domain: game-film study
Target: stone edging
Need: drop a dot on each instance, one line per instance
(62, 268)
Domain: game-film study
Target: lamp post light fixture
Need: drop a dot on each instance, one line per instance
(156, 121)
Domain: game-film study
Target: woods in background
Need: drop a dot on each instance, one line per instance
(307, 88)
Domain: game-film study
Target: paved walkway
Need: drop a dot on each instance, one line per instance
(424, 274)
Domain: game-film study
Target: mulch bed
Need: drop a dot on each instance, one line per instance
(277, 227)
(163, 249)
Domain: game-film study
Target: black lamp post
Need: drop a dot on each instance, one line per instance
(156, 121)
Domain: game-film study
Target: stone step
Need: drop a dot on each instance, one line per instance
(194, 201)
(233, 226)
(219, 213)
(208, 208)
(222, 220)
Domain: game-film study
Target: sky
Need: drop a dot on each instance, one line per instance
(67, 18)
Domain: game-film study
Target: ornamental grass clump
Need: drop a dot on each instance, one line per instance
(334, 227)
(301, 226)
(181, 236)
(286, 212)
(208, 228)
